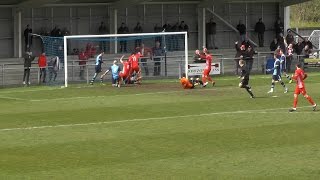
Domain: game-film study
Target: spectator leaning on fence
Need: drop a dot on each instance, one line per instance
(28, 58)
(42, 63)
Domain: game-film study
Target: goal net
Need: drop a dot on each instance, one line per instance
(164, 54)
(315, 38)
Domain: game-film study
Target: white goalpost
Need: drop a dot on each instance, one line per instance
(182, 37)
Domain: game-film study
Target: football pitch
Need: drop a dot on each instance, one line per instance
(158, 130)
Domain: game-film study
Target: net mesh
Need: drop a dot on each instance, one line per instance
(315, 38)
(163, 55)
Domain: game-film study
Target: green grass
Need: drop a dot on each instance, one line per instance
(159, 131)
(305, 24)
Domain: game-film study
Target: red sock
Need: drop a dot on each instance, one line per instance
(295, 102)
(310, 100)
(209, 79)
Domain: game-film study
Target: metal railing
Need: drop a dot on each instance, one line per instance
(170, 66)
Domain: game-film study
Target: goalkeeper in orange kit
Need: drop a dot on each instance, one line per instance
(189, 83)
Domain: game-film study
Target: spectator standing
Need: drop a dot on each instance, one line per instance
(42, 63)
(103, 30)
(146, 55)
(289, 57)
(83, 58)
(123, 29)
(157, 29)
(28, 58)
(168, 39)
(290, 38)
(175, 39)
(156, 52)
(56, 32)
(211, 30)
(242, 31)
(27, 37)
(182, 27)
(138, 29)
(260, 28)
(278, 27)
(53, 67)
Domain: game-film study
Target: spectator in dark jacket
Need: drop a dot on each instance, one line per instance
(28, 58)
(290, 38)
(103, 30)
(211, 30)
(274, 44)
(157, 29)
(156, 52)
(138, 29)
(168, 28)
(123, 29)
(278, 27)
(199, 57)
(27, 37)
(175, 39)
(182, 27)
(260, 28)
(242, 30)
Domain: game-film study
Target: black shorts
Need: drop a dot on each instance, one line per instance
(115, 80)
(98, 68)
(244, 82)
(276, 77)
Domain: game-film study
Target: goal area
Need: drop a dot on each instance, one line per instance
(164, 54)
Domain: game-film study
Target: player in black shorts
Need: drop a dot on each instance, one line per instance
(245, 78)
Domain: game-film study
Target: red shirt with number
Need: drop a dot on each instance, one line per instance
(299, 77)
(134, 62)
(207, 69)
(126, 69)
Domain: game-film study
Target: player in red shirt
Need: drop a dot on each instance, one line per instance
(299, 76)
(125, 73)
(206, 72)
(134, 64)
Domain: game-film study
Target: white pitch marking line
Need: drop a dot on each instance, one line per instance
(12, 98)
(145, 119)
(119, 95)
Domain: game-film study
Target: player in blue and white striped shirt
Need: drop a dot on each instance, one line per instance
(99, 62)
(283, 64)
(276, 75)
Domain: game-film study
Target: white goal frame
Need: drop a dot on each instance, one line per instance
(65, 38)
